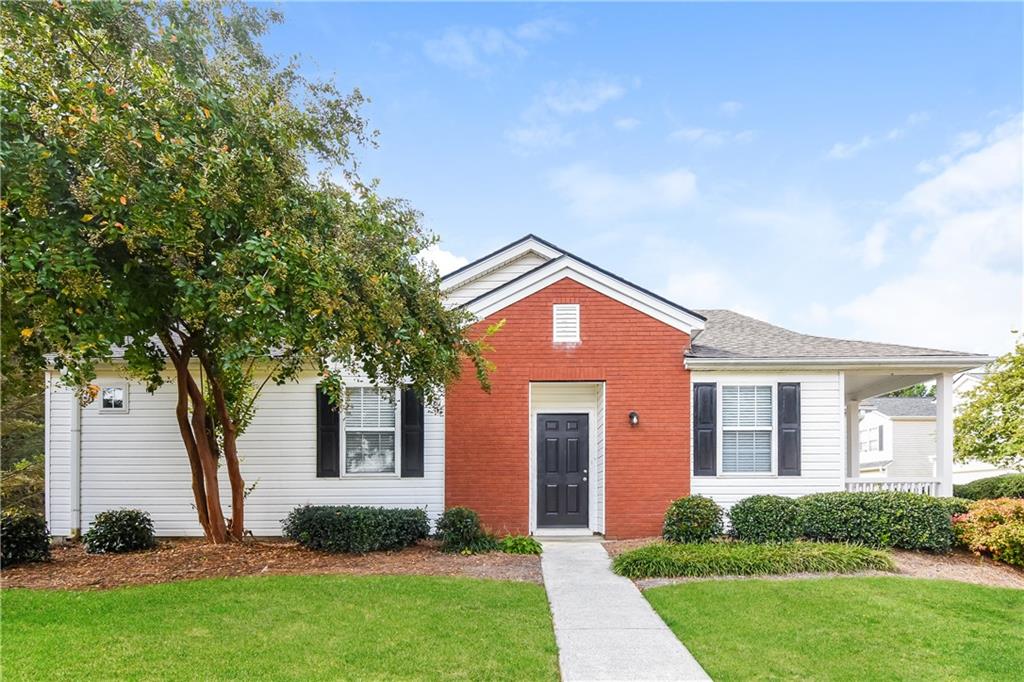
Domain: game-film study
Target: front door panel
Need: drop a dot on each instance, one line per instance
(562, 470)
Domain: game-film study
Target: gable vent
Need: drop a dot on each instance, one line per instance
(566, 322)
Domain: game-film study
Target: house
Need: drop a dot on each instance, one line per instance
(897, 437)
(608, 402)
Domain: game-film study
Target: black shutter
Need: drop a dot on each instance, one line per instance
(705, 429)
(328, 437)
(789, 429)
(881, 444)
(412, 434)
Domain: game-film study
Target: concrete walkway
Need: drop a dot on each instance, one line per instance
(604, 627)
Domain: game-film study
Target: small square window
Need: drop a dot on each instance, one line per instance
(114, 398)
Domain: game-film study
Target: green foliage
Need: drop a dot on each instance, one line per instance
(459, 530)
(120, 530)
(915, 391)
(808, 629)
(669, 560)
(879, 519)
(765, 518)
(1007, 485)
(995, 528)
(157, 195)
(692, 519)
(990, 427)
(520, 544)
(23, 537)
(355, 530)
(23, 485)
(283, 627)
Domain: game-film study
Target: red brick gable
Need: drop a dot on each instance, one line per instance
(640, 359)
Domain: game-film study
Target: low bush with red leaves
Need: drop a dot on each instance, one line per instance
(994, 528)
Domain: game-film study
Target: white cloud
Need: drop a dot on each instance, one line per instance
(710, 137)
(472, 49)
(626, 123)
(730, 108)
(848, 150)
(873, 245)
(595, 194)
(967, 140)
(541, 126)
(446, 261)
(964, 291)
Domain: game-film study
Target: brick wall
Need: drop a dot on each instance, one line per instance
(640, 360)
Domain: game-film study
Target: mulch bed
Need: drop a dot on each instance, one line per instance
(189, 559)
(959, 565)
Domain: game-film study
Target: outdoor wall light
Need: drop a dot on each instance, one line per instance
(634, 418)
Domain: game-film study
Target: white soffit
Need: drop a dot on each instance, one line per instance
(496, 260)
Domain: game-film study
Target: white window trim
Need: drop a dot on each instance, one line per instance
(123, 385)
(397, 429)
(554, 322)
(720, 429)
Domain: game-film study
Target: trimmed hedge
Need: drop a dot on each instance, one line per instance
(994, 487)
(879, 519)
(355, 530)
(459, 530)
(692, 519)
(120, 530)
(23, 537)
(994, 527)
(765, 518)
(666, 560)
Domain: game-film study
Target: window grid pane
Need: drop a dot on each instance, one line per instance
(113, 398)
(746, 407)
(368, 407)
(747, 451)
(369, 452)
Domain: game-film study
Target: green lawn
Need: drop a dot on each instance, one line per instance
(848, 628)
(283, 627)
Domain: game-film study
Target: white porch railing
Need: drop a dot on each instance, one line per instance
(924, 486)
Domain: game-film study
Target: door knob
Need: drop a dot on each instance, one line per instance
(584, 479)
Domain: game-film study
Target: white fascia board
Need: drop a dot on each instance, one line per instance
(496, 260)
(919, 363)
(567, 267)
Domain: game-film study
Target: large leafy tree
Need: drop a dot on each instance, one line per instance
(990, 427)
(156, 198)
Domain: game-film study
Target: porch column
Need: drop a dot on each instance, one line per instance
(944, 433)
(852, 438)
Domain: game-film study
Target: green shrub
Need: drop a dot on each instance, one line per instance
(459, 530)
(23, 537)
(355, 530)
(520, 544)
(692, 519)
(879, 519)
(120, 530)
(995, 528)
(665, 560)
(993, 487)
(765, 518)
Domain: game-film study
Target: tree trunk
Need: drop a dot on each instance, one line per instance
(218, 528)
(237, 525)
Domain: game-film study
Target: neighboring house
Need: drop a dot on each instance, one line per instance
(608, 402)
(965, 472)
(897, 437)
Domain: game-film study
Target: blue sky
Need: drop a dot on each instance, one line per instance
(848, 170)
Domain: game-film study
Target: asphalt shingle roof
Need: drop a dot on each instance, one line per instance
(728, 334)
(902, 407)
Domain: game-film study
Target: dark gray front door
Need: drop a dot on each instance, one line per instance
(562, 463)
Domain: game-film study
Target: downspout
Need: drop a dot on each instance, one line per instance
(75, 476)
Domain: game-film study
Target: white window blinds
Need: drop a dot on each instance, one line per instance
(746, 429)
(369, 431)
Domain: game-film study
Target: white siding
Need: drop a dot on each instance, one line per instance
(494, 278)
(869, 432)
(567, 396)
(821, 437)
(137, 460)
(58, 461)
(913, 449)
